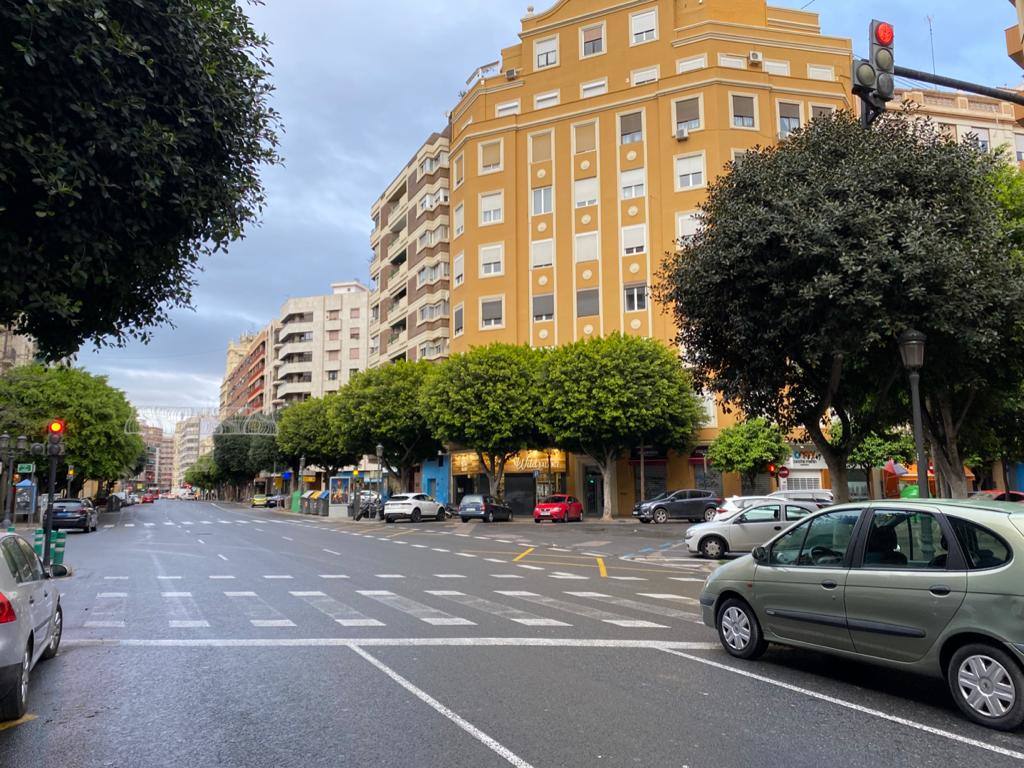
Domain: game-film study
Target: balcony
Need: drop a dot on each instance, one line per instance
(293, 348)
(396, 218)
(292, 389)
(289, 369)
(1014, 45)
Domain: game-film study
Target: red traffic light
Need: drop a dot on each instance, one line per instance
(55, 428)
(884, 33)
(771, 469)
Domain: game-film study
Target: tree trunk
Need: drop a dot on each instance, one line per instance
(943, 434)
(494, 469)
(608, 480)
(835, 460)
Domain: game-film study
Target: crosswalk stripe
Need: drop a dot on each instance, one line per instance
(505, 576)
(272, 622)
(628, 578)
(464, 554)
(109, 525)
(497, 609)
(638, 605)
(129, 525)
(115, 578)
(259, 612)
(562, 575)
(331, 551)
(389, 576)
(103, 624)
(187, 623)
(277, 576)
(342, 614)
(420, 611)
(222, 577)
(149, 525)
(666, 596)
(686, 578)
(581, 610)
(495, 560)
(333, 576)
(105, 595)
(438, 549)
(530, 567)
(449, 576)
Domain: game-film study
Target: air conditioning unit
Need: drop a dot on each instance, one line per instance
(682, 134)
(756, 57)
(510, 74)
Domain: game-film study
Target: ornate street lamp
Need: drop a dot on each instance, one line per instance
(912, 351)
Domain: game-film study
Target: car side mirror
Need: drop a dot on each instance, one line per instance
(760, 554)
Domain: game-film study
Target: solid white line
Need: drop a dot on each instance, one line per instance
(390, 642)
(441, 709)
(187, 624)
(850, 705)
(272, 622)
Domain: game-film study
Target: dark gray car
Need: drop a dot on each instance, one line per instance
(687, 504)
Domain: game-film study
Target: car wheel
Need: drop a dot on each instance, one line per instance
(464, 519)
(389, 520)
(644, 520)
(416, 516)
(536, 521)
(440, 515)
(660, 516)
(56, 631)
(739, 630)
(713, 547)
(14, 704)
(709, 514)
(490, 517)
(988, 686)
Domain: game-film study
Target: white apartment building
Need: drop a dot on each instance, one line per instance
(319, 342)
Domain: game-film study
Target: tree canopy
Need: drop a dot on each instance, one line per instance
(305, 429)
(748, 447)
(204, 473)
(131, 142)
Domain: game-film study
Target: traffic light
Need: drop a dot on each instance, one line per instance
(55, 433)
(874, 77)
(772, 469)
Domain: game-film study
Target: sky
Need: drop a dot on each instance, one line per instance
(359, 87)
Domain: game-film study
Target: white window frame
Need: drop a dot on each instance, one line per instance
(548, 198)
(589, 200)
(618, 127)
(1018, 147)
(732, 61)
(480, 157)
(460, 160)
(500, 217)
(537, 66)
(778, 114)
(637, 297)
(631, 192)
(636, 75)
(691, 64)
(506, 109)
(732, 117)
(547, 99)
(576, 302)
(487, 299)
(604, 40)
(460, 307)
(830, 107)
(632, 27)
(585, 236)
(459, 219)
(533, 254)
(632, 228)
(491, 247)
(815, 72)
(542, 318)
(703, 173)
(700, 113)
(459, 269)
(575, 149)
(779, 68)
(594, 88)
(684, 217)
(551, 141)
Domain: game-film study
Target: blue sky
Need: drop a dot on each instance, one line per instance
(359, 87)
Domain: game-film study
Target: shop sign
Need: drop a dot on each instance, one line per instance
(804, 457)
(467, 462)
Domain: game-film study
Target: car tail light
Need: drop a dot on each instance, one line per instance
(7, 614)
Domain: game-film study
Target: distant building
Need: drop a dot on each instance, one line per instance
(190, 442)
(15, 350)
(1015, 35)
(247, 376)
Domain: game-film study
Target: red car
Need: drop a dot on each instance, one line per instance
(558, 509)
(148, 498)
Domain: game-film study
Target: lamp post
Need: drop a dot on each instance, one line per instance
(9, 449)
(380, 472)
(912, 351)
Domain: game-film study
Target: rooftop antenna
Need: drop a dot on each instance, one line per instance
(931, 37)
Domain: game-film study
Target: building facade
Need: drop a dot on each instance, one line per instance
(580, 158)
(158, 470)
(247, 377)
(191, 440)
(319, 343)
(410, 266)
(15, 350)
(1015, 35)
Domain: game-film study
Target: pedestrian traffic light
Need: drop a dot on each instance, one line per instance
(874, 77)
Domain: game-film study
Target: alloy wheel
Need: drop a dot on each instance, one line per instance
(26, 662)
(56, 630)
(709, 515)
(986, 686)
(736, 628)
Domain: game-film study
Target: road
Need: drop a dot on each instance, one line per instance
(214, 635)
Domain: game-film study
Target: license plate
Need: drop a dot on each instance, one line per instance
(545, 512)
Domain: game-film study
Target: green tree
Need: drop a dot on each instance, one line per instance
(748, 447)
(1008, 180)
(305, 429)
(814, 255)
(604, 396)
(877, 448)
(486, 400)
(131, 142)
(381, 406)
(204, 474)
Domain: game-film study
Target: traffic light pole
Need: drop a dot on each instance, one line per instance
(963, 85)
(48, 522)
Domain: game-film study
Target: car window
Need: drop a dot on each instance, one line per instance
(786, 549)
(794, 512)
(828, 538)
(8, 558)
(764, 514)
(905, 540)
(981, 547)
(30, 557)
(14, 552)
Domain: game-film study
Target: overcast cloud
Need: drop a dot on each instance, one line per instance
(359, 87)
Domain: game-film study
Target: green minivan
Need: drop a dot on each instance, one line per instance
(930, 586)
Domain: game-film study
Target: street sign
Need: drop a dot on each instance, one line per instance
(783, 472)
(26, 469)
(286, 475)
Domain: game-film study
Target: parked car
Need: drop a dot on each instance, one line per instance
(75, 513)
(31, 622)
(260, 500)
(414, 506)
(820, 496)
(687, 504)
(932, 587)
(559, 508)
(487, 508)
(277, 500)
(133, 498)
(746, 528)
(734, 504)
(996, 495)
(148, 498)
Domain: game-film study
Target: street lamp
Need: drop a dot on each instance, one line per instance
(380, 472)
(8, 451)
(912, 351)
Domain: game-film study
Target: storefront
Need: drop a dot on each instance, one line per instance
(807, 470)
(529, 475)
(705, 476)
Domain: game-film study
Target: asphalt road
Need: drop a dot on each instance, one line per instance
(214, 635)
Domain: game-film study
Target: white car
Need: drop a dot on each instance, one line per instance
(414, 506)
(734, 504)
(746, 529)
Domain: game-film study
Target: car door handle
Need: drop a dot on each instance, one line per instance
(941, 590)
(829, 584)
(778, 527)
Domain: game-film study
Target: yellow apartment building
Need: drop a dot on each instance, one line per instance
(580, 157)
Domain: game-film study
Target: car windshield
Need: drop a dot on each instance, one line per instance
(472, 499)
(67, 504)
(553, 500)
(399, 497)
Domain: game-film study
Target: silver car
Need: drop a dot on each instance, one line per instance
(31, 621)
(747, 528)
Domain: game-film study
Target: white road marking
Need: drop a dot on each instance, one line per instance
(628, 578)
(448, 576)
(115, 578)
(200, 541)
(389, 576)
(221, 557)
(239, 594)
(505, 576)
(849, 705)
(497, 609)
(634, 624)
(277, 576)
(175, 594)
(563, 575)
(374, 592)
(149, 525)
(530, 567)
(420, 611)
(103, 624)
(333, 576)
(168, 523)
(419, 546)
(222, 577)
(109, 525)
(584, 610)
(495, 560)
(462, 535)
(443, 592)
(129, 525)
(503, 541)
(331, 552)
(187, 623)
(272, 622)
(636, 605)
(492, 744)
(438, 549)
(307, 594)
(112, 594)
(482, 538)
(686, 578)
(360, 622)
(288, 538)
(558, 549)
(169, 578)
(258, 529)
(392, 642)
(464, 554)
(205, 522)
(226, 522)
(666, 596)
(453, 621)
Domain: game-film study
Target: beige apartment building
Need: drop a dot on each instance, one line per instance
(192, 438)
(409, 270)
(15, 350)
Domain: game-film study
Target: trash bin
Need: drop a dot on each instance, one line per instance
(307, 502)
(322, 504)
(296, 499)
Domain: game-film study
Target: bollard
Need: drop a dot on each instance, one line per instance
(10, 529)
(38, 543)
(57, 542)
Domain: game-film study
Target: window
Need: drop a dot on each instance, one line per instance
(460, 219)
(585, 192)
(16, 561)
(374, 344)
(821, 72)
(634, 240)
(732, 61)
(644, 76)
(543, 100)
(687, 225)
(459, 269)
(333, 314)
(332, 375)
(457, 326)
(631, 128)
(542, 253)
(643, 27)
(687, 115)
(777, 68)
(352, 372)
(765, 513)
(353, 353)
(492, 313)
(490, 207)
(632, 183)
(332, 355)
(586, 137)
(691, 64)
(546, 52)
(905, 540)
(490, 157)
(789, 118)
(794, 512)
(332, 335)
(821, 111)
(540, 147)
(431, 274)
(353, 334)
(822, 541)
(743, 115)
(981, 547)
(432, 349)
(541, 200)
(1018, 141)
(433, 311)
(588, 302)
(636, 297)
(459, 168)
(491, 260)
(594, 88)
(544, 307)
(689, 172)
(508, 108)
(983, 138)
(587, 246)
(593, 40)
